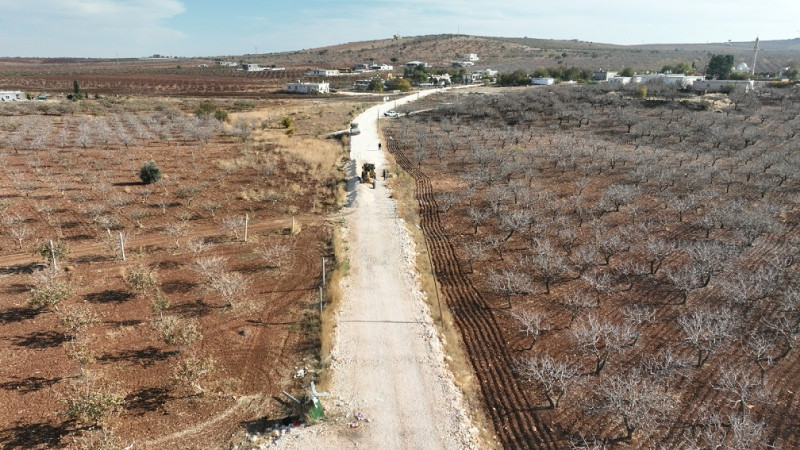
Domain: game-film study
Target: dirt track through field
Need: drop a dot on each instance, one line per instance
(516, 423)
(388, 362)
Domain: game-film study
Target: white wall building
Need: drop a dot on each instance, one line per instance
(471, 57)
(381, 67)
(299, 87)
(416, 63)
(11, 96)
(543, 81)
(723, 85)
(252, 68)
(323, 72)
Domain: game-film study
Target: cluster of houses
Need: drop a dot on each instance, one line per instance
(697, 83)
(384, 71)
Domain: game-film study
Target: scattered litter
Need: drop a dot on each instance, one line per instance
(353, 424)
(301, 373)
(360, 416)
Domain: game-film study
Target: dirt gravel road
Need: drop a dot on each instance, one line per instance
(388, 364)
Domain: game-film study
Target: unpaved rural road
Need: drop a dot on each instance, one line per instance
(387, 359)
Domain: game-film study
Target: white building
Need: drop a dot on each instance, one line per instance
(463, 64)
(11, 96)
(299, 87)
(381, 67)
(603, 75)
(323, 72)
(416, 63)
(620, 80)
(723, 86)
(441, 80)
(252, 68)
(543, 81)
(471, 57)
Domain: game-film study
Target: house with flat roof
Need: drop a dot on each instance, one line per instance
(11, 96)
(299, 87)
(324, 72)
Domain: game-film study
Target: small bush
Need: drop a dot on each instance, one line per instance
(221, 115)
(150, 173)
(59, 250)
(141, 278)
(93, 406)
(287, 122)
(48, 290)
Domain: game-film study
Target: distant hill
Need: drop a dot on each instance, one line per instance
(507, 54)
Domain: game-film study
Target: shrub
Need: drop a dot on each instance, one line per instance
(48, 289)
(141, 278)
(92, 405)
(150, 173)
(221, 115)
(286, 122)
(59, 250)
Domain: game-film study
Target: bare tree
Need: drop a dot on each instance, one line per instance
(233, 225)
(476, 217)
(276, 253)
(746, 288)
(555, 377)
(601, 339)
(19, 231)
(530, 323)
(576, 303)
(641, 406)
(685, 278)
(743, 386)
(509, 282)
(231, 287)
(548, 264)
(210, 268)
(664, 366)
(706, 330)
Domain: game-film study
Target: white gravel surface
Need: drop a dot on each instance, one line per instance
(389, 368)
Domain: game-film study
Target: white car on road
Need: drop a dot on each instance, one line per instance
(391, 113)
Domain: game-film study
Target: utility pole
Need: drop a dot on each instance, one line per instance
(755, 55)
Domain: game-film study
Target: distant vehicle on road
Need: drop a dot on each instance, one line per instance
(391, 113)
(354, 130)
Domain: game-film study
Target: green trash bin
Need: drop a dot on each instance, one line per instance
(316, 412)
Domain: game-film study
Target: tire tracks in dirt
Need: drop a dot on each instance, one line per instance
(516, 422)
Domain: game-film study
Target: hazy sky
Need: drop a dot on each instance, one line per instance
(128, 28)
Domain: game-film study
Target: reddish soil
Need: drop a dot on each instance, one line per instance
(524, 151)
(71, 194)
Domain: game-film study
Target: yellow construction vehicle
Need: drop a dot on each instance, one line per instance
(368, 173)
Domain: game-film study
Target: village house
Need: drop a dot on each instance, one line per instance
(299, 87)
(417, 64)
(252, 68)
(471, 57)
(441, 80)
(706, 86)
(603, 75)
(323, 72)
(543, 81)
(11, 96)
(381, 67)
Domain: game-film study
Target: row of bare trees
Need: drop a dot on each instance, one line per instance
(644, 252)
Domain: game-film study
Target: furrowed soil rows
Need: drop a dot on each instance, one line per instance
(506, 404)
(623, 270)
